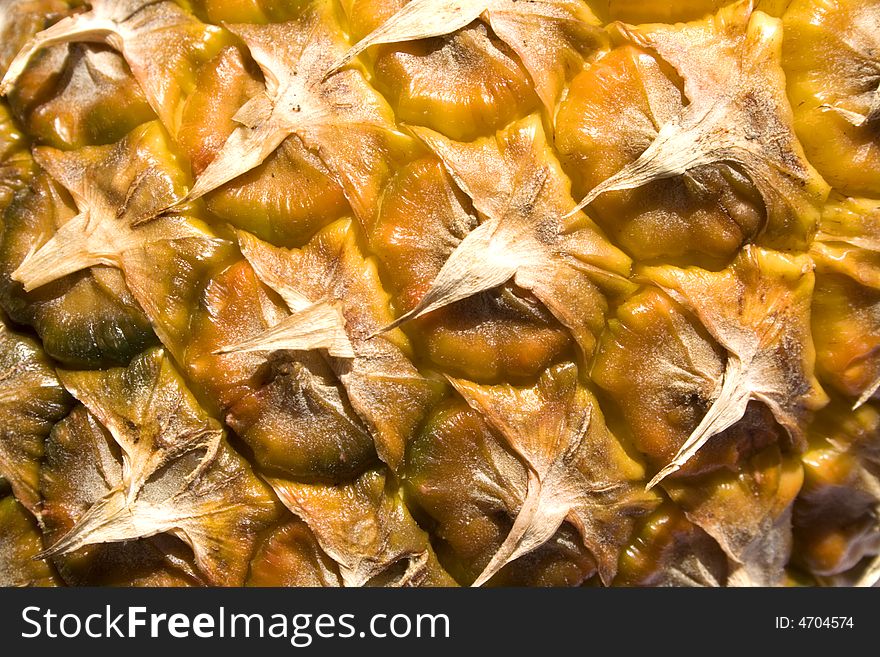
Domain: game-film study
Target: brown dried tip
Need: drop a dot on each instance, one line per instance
(117, 190)
(364, 527)
(151, 35)
(337, 304)
(748, 513)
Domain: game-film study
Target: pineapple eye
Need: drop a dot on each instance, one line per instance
(703, 217)
(180, 478)
(290, 555)
(88, 319)
(492, 336)
(834, 523)
(288, 408)
(261, 201)
(93, 91)
(462, 86)
(669, 550)
(367, 529)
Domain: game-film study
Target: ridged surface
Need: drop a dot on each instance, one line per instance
(280, 312)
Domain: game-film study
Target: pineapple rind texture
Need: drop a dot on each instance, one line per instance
(439, 293)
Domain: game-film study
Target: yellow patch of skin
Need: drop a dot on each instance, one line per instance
(828, 65)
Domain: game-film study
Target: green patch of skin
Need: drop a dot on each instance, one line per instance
(87, 319)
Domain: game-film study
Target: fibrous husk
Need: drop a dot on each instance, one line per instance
(260, 201)
(499, 334)
(610, 116)
(89, 99)
(550, 37)
(339, 118)
(861, 41)
(19, 21)
(289, 407)
(464, 85)
(748, 512)
(116, 190)
(72, 477)
(468, 487)
(662, 403)
(144, 459)
(86, 319)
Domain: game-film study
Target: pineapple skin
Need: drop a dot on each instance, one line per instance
(390, 293)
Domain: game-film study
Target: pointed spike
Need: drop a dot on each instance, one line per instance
(674, 152)
(319, 326)
(639, 173)
(244, 150)
(727, 409)
(67, 543)
(535, 524)
(867, 394)
(855, 118)
(81, 27)
(342, 62)
(419, 19)
(67, 252)
(509, 549)
(397, 323)
(594, 193)
(175, 208)
(100, 514)
(483, 260)
(433, 300)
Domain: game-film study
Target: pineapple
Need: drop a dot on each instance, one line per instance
(439, 293)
